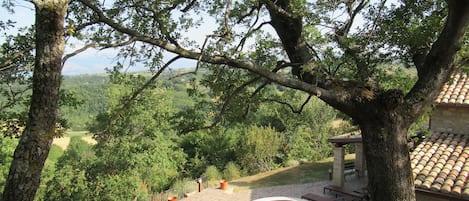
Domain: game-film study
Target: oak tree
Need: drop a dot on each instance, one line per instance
(329, 54)
(36, 139)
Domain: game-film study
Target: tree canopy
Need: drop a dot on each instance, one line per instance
(337, 51)
(331, 55)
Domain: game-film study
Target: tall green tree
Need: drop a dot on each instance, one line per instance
(22, 70)
(34, 145)
(340, 66)
(137, 154)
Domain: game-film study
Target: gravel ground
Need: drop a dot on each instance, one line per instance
(294, 191)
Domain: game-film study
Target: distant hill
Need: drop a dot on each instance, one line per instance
(91, 89)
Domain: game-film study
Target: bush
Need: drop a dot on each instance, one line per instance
(231, 171)
(183, 186)
(290, 163)
(212, 173)
(211, 176)
(7, 148)
(259, 148)
(212, 147)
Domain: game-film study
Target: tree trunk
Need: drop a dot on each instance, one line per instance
(387, 157)
(33, 148)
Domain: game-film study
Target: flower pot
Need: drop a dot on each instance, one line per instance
(223, 184)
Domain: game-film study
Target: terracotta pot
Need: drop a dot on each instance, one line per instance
(174, 198)
(223, 184)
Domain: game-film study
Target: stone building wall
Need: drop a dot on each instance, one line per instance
(427, 197)
(450, 119)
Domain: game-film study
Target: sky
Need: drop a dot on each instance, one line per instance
(91, 61)
(88, 62)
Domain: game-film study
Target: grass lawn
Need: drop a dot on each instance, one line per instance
(76, 133)
(304, 173)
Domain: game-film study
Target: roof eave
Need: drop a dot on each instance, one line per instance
(452, 197)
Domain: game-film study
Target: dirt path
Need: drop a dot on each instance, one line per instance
(63, 142)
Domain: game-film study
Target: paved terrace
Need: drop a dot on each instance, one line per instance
(295, 190)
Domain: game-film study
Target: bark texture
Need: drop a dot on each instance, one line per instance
(33, 148)
(387, 156)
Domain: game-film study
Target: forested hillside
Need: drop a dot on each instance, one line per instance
(92, 93)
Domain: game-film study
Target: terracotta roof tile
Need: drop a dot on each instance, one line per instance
(440, 163)
(455, 91)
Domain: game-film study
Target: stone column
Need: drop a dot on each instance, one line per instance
(360, 165)
(338, 166)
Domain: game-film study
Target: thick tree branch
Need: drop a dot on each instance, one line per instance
(438, 64)
(213, 59)
(278, 9)
(294, 43)
(290, 31)
(280, 65)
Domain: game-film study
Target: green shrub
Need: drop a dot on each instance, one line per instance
(212, 173)
(7, 148)
(183, 186)
(216, 147)
(290, 163)
(231, 171)
(259, 147)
